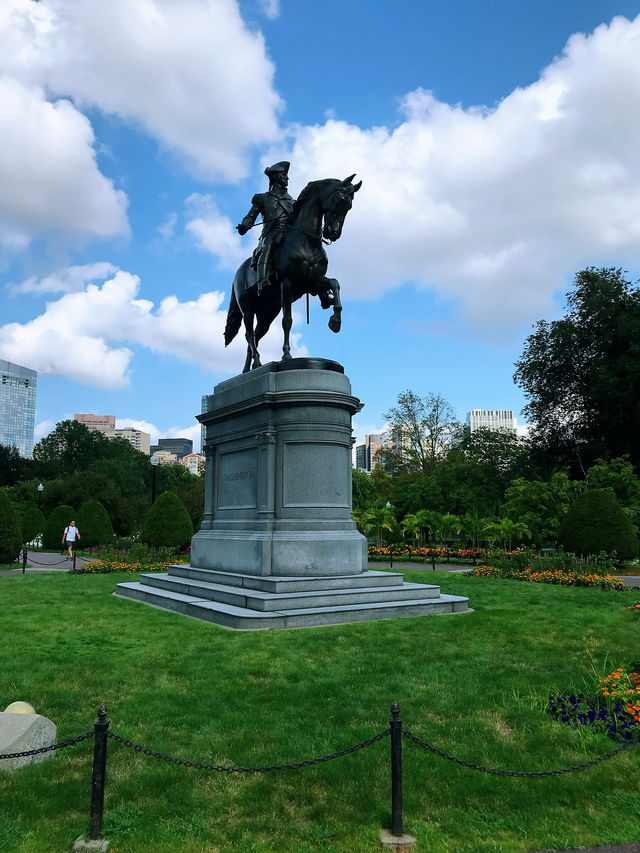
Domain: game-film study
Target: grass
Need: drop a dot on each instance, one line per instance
(473, 685)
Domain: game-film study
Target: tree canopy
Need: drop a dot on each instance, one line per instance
(581, 374)
(420, 431)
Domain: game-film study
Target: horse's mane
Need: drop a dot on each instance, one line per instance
(309, 193)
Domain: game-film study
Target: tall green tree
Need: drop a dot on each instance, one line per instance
(540, 505)
(378, 521)
(581, 374)
(13, 467)
(32, 523)
(596, 522)
(420, 431)
(70, 447)
(56, 523)
(94, 524)
(167, 523)
(10, 533)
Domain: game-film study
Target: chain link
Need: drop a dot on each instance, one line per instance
(219, 768)
(61, 745)
(59, 563)
(533, 773)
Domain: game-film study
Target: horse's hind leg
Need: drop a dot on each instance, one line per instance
(252, 350)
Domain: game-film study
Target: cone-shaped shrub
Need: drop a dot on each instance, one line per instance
(94, 524)
(10, 534)
(33, 523)
(167, 524)
(56, 523)
(596, 522)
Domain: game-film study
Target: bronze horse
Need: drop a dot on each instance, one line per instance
(300, 268)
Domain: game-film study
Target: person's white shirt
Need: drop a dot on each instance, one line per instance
(70, 533)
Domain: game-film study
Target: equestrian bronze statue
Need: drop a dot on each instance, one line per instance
(290, 260)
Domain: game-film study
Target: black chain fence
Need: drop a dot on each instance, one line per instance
(232, 768)
(532, 774)
(63, 744)
(101, 735)
(58, 563)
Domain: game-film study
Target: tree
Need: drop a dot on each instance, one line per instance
(430, 522)
(618, 476)
(540, 504)
(449, 527)
(56, 523)
(70, 447)
(13, 467)
(473, 526)
(581, 374)
(363, 490)
(10, 533)
(167, 524)
(510, 532)
(596, 522)
(376, 521)
(33, 523)
(94, 524)
(411, 526)
(420, 431)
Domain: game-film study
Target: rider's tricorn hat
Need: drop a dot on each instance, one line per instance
(283, 166)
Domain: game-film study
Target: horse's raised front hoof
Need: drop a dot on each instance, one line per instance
(334, 323)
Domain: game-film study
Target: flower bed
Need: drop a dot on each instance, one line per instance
(615, 710)
(406, 552)
(589, 579)
(103, 567)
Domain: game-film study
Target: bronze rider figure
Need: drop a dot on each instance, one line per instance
(275, 206)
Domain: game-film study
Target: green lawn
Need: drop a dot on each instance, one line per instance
(474, 685)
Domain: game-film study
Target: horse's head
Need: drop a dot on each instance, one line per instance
(336, 204)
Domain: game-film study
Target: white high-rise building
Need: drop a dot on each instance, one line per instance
(494, 419)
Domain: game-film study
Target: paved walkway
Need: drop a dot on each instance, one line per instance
(42, 561)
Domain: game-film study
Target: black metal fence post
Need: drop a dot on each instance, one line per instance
(74, 561)
(24, 560)
(390, 557)
(395, 724)
(100, 728)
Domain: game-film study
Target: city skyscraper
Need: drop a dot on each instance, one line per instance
(17, 407)
(494, 419)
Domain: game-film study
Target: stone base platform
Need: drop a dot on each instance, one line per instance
(257, 602)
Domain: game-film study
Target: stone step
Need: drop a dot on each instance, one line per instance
(241, 618)
(275, 584)
(268, 601)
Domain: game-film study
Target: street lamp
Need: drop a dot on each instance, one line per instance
(154, 465)
(40, 491)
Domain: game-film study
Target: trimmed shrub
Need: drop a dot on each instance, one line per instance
(167, 523)
(10, 533)
(33, 523)
(596, 522)
(56, 523)
(94, 524)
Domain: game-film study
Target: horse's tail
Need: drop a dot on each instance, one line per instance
(234, 319)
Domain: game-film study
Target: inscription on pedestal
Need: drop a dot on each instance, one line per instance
(237, 484)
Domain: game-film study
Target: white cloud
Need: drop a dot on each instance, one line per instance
(214, 232)
(270, 8)
(167, 227)
(67, 280)
(190, 72)
(43, 428)
(192, 432)
(84, 335)
(492, 207)
(48, 172)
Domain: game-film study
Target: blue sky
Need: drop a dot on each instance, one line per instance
(496, 142)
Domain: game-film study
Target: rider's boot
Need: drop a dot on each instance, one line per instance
(260, 286)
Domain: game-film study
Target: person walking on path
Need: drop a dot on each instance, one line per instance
(71, 533)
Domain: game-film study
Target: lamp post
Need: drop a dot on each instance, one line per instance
(154, 465)
(40, 491)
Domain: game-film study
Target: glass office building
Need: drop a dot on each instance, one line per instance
(17, 406)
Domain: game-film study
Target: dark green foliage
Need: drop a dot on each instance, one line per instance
(33, 523)
(581, 374)
(167, 523)
(363, 490)
(10, 534)
(596, 522)
(13, 467)
(94, 524)
(56, 523)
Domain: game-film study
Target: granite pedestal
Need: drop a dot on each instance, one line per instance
(278, 546)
